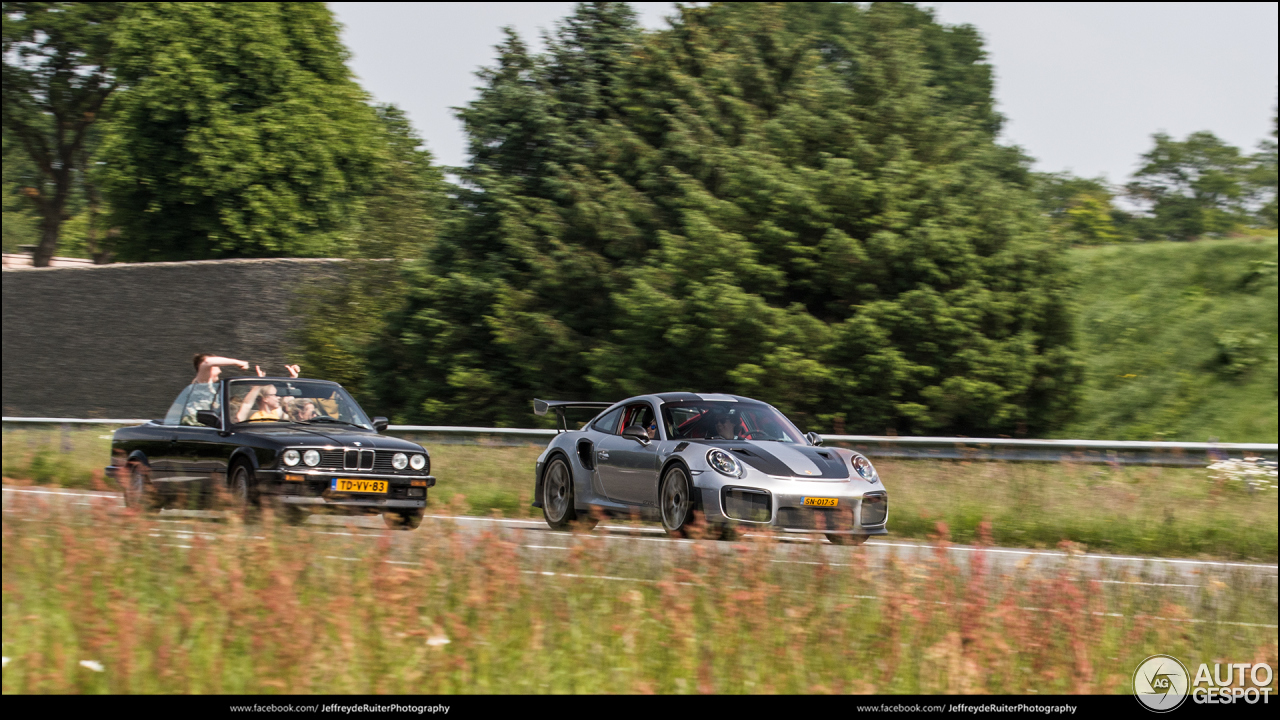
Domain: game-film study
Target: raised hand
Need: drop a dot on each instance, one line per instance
(260, 373)
(293, 370)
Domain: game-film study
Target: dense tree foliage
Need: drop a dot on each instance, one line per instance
(1192, 187)
(400, 217)
(241, 132)
(1081, 210)
(1262, 178)
(57, 77)
(803, 203)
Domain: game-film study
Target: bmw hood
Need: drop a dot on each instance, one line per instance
(785, 459)
(300, 435)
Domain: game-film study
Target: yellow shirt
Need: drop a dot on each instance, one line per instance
(276, 414)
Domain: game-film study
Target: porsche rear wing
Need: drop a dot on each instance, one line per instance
(540, 407)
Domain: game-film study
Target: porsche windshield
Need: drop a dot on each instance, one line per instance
(728, 421)
(252, 401)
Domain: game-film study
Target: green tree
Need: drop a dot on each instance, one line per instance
(804, 203)
(1262, 178)
(398, 220)
(1081, 210)
(57, 76)
(1192, 187)
(21, 225)
(241, 133)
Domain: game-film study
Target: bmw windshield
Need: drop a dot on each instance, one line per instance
(703, 419)
(251, 400)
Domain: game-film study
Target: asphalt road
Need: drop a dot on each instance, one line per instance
(647, 542)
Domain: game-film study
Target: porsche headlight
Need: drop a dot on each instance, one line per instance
(399, 461)
(864, 468)
(311, 457)
(292, 457)
(723, 462)
(417, 462)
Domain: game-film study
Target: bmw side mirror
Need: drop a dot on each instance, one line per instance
(210, 418)
(380, 423)
(813, 438)
(635, 432)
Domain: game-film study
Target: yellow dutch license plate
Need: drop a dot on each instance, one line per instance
(822, 502)
(357, 485)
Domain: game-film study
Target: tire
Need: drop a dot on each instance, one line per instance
(854, 540)
(139, 493)
(409, 520)
(244, 493)
(675, 501)
(557, 495)
(726, 532)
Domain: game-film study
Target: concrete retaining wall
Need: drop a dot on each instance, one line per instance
(117, 340)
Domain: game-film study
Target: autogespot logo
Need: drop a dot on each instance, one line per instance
(1160, 683)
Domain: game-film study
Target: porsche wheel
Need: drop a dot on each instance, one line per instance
(846, 539)
(409, 520)
(244, 493)
(557, 495)
(675, 499)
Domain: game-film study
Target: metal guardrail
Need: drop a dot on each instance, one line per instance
(1186, 454)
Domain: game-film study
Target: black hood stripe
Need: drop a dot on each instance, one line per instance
(832, 466)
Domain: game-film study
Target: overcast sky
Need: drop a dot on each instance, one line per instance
(1082, 85)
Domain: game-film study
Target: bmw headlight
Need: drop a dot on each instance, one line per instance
(399, 461)
(723, 462)
(864, 468)
(417, 462)
(311, 457)
(292, 457)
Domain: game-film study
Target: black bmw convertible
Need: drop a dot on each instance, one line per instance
(300, 445)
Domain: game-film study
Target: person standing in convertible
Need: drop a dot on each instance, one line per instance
(208, 369)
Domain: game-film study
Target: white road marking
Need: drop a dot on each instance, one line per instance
(1125, 582)
(1054, 553)
(73, 493)
(546, 547)
(575, 576)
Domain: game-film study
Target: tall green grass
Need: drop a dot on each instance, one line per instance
(116, 602)
(1179, 341)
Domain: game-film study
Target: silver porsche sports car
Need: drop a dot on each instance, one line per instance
(737, 461)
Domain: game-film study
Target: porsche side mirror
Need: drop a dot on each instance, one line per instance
(380, 423)
(813, 438)
(635, 432)
(210, 418)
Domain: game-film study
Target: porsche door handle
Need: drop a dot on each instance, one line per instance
(603, 454)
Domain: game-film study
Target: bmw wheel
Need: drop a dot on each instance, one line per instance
(139, 493)
(675, 498)
(557, 494)
(408, 520)
(294, 515)
(244, 493)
